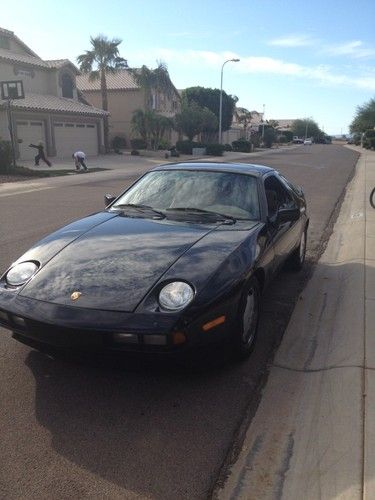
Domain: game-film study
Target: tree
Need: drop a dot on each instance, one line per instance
(244, 117)
(138, 124)
(189, 120)
(155, 82)
(103, 58)
(210, 98)
(209, 125)
(269, 136)
(150, 126)
(364, 118)
(305, 127)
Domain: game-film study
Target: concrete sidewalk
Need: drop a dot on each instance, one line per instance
(313, 435)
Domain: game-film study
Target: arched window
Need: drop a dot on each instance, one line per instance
(67, 85)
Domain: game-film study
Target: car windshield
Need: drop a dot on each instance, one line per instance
(226, 193)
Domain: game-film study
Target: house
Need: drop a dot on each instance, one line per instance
(51, 111)
(124, 97)
(237, 130)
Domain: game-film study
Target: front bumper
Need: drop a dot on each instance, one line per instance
(41, 324)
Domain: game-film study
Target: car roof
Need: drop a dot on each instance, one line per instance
(239, 168)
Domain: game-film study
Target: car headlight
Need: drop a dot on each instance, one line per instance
(21, 273)
(176, 295)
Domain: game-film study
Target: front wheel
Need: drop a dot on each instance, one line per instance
(297, 259)
(248, 318)
(372, 198)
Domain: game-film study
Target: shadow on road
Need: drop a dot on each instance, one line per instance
(151, 426)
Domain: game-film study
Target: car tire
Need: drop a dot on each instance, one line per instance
(297, 259)
(245, 333)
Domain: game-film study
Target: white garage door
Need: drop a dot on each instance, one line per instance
(29, 132)
(71, 137)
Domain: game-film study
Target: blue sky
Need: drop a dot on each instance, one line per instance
(299, 59)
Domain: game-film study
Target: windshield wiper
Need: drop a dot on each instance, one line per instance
(201, 211)
(140, 208)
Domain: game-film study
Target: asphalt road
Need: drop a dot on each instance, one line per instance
(139, 428)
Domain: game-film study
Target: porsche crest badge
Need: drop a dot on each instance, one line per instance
(75, 295)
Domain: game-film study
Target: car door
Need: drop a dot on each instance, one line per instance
(284, 233)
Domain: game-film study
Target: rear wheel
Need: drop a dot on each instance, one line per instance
(248, 318)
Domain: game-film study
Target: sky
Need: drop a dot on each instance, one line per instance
(297, 59)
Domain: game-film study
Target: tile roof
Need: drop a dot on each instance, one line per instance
(50, 103)
(120, 80)
(22, 58)
(14, 57)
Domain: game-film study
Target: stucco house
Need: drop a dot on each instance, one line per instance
(124, 97)
(52, 111)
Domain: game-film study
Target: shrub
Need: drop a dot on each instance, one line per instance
(215, 149)
(371, 142)
(118, 143)
(241, 146)
(164, 144)
(138, 143)
(134, 152)
(5, 155)
(186, 147)
(282, 139)
(228, 147)
(370, 133)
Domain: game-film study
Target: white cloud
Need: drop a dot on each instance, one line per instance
(292, 41)
(195, 60)
(354, 48)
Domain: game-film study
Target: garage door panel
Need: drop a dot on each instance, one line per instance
(71, 137)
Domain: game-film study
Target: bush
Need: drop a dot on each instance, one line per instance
(228, 147)
(118, 143)
(371, 142)
(134, 152)
(215, 149)
(186, 147)
(164, 144)
(138, 144)
(282, 139)
(370, 133)
(5, 155)
(241, 146)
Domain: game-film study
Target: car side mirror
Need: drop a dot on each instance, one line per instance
(108, 199)
(288, 215)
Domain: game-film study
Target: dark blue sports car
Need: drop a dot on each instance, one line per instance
(179, 259)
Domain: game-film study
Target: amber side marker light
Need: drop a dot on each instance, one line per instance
(215, 322)
(178, 338)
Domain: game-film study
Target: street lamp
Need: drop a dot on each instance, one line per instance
(221, 95)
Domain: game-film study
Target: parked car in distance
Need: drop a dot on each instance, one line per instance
(297, 140)
(178, 260)
(307, 142)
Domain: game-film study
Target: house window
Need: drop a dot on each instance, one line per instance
(4, 42)
(67, 85)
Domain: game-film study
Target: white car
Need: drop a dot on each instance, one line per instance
(307, 142)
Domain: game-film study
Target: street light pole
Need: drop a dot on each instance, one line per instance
(221, 96)
(264, 107)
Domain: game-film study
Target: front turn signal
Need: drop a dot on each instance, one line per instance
(215, 322)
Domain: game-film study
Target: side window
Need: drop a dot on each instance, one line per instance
(277, 195)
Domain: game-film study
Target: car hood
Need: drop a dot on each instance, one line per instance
(112, 260)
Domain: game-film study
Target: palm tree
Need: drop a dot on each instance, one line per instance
(150, 126)
(243, 116)
(103, 58)
(155, 82)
